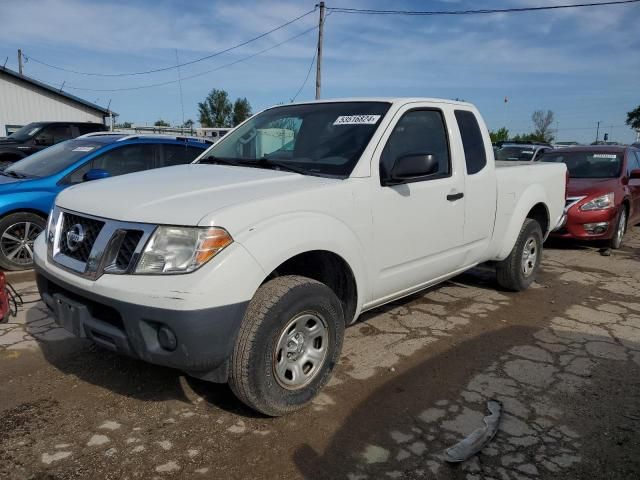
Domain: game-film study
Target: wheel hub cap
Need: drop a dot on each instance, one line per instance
(300, 351)
(529, 256)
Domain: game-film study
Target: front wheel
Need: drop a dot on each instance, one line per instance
(289, 342)
(18, 231)
(621, 228)
(518, 271)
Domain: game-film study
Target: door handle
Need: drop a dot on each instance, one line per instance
(452, 197)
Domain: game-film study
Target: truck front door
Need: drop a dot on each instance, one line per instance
(419, 223)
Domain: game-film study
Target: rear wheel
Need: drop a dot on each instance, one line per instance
(621, 228)
(289, 342)
(17, 234)
(518, 271)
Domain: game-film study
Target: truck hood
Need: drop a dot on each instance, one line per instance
(579, 187)
(181, 195)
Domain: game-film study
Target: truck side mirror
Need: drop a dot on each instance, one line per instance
(95, 174)
(412, 166)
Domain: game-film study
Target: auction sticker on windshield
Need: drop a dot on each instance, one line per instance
(83, 149)
(605, 155)
(357, 120)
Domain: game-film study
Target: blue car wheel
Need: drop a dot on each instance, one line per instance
(18, 231)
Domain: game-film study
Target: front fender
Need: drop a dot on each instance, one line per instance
(512, 215)
(277, 239)
(34, 201)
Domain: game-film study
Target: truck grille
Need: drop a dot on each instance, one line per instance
(91, 246)
(127, 249)
(78, 236)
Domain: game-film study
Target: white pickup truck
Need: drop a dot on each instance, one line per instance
(246, 266)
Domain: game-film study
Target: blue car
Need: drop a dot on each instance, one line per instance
(29, 187)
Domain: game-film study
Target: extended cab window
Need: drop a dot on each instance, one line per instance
(418, 132)
(474, 152)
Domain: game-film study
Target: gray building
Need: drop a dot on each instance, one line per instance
(24, 100)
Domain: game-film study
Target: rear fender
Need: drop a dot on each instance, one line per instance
(515, 214)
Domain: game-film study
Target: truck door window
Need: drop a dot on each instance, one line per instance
(420, 132)
(54, 134)
(474, 152)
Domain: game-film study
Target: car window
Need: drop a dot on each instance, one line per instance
(516, 153)
(178, 154)
(54, 134)
(419, 132)
(126, 159)
(587, 164)
(54, 159)
(636, 159)
(474, 152)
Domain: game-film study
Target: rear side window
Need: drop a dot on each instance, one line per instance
(179, 154)
(472, 142)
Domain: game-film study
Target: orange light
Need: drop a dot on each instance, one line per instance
(212, 241)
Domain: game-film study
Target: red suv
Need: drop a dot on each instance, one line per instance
(603, 194)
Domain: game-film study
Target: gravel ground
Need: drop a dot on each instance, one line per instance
(414, 378)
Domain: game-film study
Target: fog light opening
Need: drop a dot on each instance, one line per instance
(167, 339)
(596, 228)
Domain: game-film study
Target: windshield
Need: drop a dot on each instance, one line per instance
(26, 132)
(587, 164)
(518, 153)
(53, 159)
(324, 139)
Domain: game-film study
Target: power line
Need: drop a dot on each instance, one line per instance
(313, 60)
(160, 84)
(155, 70)
(367, 11)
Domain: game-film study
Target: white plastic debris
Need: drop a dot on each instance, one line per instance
(471, 445)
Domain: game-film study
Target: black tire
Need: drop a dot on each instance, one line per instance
(15, 255)
(253, 376)
(515, 272)
(620, 229)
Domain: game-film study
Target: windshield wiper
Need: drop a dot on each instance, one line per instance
(211, 160)
(265, 162)
(13, 174)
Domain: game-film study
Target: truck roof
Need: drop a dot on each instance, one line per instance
(401, 100)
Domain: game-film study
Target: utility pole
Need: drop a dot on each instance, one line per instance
(319, 55)
(20, 61)
(597, 132)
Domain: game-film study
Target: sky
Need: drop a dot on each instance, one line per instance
(583, 64)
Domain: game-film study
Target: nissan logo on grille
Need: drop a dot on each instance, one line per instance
(75, 237)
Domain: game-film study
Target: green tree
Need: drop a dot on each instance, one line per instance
(216, 109)
(500, 135)
(241, 111)
(161, 123)
(542, 122)
(633, 118)
(188, 124)
(124, 125)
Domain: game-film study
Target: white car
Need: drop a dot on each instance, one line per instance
(247, 265)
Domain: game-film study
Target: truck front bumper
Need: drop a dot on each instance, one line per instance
(197, 342)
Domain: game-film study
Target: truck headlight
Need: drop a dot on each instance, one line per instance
(181, 249)
(602, 202)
